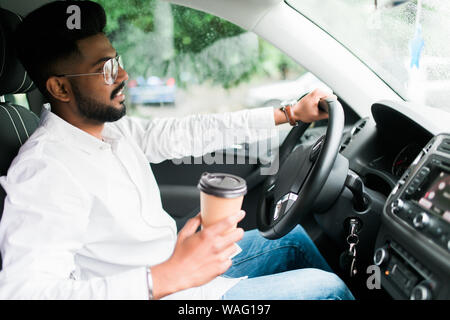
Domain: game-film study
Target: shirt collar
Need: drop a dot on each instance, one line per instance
(64, 131)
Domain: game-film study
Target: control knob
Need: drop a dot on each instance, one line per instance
(381, 256)
(421, 221)
(422, 291)
(398, 205)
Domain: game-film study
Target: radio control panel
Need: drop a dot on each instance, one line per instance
(413, 244)
(422, 196)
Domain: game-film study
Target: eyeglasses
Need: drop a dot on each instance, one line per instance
(110, 71)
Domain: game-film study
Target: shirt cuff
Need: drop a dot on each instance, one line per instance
(129, 285)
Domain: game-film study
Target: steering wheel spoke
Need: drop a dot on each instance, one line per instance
(283, 205)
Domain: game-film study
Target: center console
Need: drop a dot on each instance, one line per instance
(413, 244)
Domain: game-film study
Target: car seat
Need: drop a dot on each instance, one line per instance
(17, 123)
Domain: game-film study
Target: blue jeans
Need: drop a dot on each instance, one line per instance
(284, 269)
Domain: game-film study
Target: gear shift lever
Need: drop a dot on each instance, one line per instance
(356, 186)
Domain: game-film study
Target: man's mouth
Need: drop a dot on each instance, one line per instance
(118, 93)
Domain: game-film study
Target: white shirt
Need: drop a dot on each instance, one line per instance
(83, 218)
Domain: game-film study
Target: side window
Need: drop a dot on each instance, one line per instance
(181, 61)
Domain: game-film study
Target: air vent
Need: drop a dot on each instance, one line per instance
(359, 125)
(445, 146)
(347, 139)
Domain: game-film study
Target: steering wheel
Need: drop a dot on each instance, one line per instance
(290, 193)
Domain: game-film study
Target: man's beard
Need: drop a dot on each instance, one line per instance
(97, 111)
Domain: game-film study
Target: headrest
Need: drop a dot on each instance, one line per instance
(13, 77)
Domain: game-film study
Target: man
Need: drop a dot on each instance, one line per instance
(83, 217)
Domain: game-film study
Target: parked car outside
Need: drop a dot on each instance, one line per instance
(153, 91)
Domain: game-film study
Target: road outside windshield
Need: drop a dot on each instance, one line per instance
(406, 44)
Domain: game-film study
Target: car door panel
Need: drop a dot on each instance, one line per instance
(178, 184)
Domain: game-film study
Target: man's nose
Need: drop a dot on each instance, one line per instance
(122, 75)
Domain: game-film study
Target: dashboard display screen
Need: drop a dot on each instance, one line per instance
(436, 197)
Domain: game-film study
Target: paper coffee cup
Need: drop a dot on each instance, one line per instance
(221, 195)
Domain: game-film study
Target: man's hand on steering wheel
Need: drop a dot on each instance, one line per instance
(306, 109)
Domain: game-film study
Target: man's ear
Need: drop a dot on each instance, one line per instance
(58, 88)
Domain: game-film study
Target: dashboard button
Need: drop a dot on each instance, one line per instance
(410, 190)
(421, 221)
(435, 162)
(423, 172)
(397, 206)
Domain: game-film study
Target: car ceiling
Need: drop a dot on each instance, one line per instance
(247, 15)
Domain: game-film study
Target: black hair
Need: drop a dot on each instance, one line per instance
(45, 36)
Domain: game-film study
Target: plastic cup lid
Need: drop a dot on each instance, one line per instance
(222, 185)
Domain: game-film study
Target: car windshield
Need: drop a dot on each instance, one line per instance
(406, 43)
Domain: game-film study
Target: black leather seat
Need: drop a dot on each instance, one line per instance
(17, 123)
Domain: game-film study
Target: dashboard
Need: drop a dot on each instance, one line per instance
(381, 149)
(413, 244)
(405, 232)
(399, 158)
